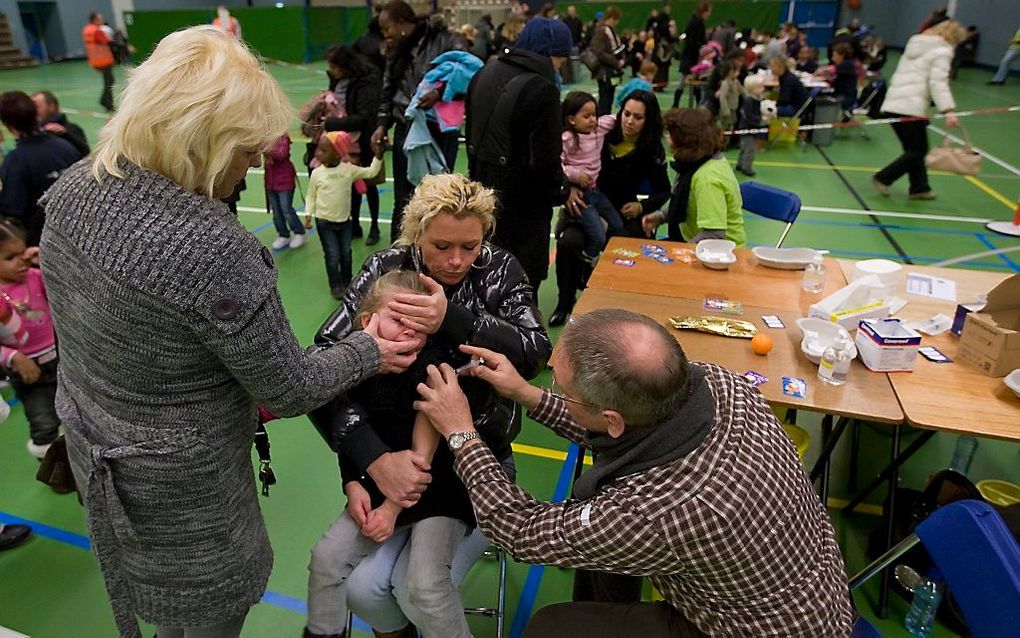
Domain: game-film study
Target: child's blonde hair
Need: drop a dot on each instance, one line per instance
(389, 283)
(200, 96)
(648, 68)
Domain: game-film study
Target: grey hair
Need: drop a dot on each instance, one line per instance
(606, 376)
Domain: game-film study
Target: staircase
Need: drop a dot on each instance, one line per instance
(11, 56)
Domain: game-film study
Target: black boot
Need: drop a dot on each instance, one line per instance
(373, 235)
(560, 315)
(356, 232)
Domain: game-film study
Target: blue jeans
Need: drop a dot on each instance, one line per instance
(282, 204)
(599, 208)
(1007, 60)
(336, 249)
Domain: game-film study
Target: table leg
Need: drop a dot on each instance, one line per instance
(855, 449)
(890, 516)
(924, 437)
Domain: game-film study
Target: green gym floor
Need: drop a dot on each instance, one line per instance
(51, 587)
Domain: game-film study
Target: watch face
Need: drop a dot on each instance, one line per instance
(456, 440)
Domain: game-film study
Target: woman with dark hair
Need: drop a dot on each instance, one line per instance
(633, 162)
(694, 38)
(705, 202)
(356, 82)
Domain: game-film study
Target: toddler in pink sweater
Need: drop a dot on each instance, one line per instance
(32, 363)
(583, 136)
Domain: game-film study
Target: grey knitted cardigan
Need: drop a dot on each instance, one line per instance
(171, 330)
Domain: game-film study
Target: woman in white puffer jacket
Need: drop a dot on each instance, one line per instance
(921, 77)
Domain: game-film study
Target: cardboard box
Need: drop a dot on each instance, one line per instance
(887, 345)
(991, 338)
(962, 310)
(848, 305)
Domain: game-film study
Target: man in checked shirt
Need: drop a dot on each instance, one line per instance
(695, 485)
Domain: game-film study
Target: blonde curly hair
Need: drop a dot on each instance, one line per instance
(446, 193)
(200, 96)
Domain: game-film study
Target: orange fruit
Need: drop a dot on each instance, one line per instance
(761, 344)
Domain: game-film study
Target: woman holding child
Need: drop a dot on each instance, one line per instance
(466, 292)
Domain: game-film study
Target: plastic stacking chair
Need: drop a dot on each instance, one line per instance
(499, 612)
(979, 559)
(864, 629)
(774, 203)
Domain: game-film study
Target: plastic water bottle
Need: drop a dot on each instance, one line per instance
(814, 275)
(963, 454)
(921, 618)
(834, 366)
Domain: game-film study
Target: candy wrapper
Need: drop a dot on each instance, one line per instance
(715, 325)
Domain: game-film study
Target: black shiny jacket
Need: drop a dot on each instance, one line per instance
(493, 307)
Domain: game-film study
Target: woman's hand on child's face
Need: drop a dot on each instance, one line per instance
(424, 313)
(31, 255)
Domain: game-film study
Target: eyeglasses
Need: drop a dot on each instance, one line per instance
(557, 391)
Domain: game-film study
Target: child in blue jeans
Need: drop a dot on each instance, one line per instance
(583, 136)
(329, 204)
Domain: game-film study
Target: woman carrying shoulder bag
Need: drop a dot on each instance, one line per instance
(921, 77)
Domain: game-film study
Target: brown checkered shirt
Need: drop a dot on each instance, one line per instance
(732, 535)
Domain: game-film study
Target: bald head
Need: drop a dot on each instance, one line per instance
(626, 362)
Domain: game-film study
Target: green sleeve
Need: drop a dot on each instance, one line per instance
(710, 197)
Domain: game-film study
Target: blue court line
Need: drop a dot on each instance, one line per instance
(1012, 264)
(535, 572)
(80, 541)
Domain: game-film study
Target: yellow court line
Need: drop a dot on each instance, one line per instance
(543, 452)
(991, 191)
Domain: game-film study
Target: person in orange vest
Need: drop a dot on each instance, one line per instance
(100, 56)
(227, 22)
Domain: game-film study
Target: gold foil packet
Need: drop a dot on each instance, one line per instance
(715, 325)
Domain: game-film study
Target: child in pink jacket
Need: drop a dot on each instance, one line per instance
(583, 136)
(281, 178)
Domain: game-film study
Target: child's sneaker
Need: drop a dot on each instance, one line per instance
(297, 241)
(38, 451)
(281, 242)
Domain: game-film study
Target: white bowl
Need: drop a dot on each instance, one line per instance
(716, 254)
(784, 258)
(1012, 381)
(819, 335)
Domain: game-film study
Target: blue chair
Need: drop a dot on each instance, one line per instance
(864, 629)
(979, 559)
(774, 203)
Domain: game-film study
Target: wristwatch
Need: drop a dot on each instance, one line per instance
(458, 439)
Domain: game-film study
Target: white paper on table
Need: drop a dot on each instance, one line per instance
(932, 326)
(927, 286)
(895, 304)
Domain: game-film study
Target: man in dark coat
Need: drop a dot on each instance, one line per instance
(513, 132)
(412, 43)
(53, 121)
(31, 168)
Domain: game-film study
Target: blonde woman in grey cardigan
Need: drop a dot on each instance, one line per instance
(171, 329)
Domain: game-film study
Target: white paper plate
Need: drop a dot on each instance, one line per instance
(784, 258)
(1012, 381)
(716, 254)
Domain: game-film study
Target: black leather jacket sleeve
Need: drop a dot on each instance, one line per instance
(659, 181)
(363, 97)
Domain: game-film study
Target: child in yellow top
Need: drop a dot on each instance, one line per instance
(329, 204)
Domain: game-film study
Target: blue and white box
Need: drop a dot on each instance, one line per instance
(886, 345)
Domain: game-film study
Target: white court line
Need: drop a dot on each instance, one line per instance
(988, 156)
(884, 213)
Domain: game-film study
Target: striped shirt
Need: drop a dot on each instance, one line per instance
(732, 534)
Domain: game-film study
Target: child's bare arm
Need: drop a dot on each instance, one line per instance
(424, 438)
